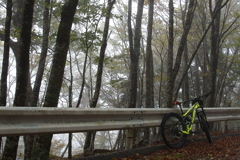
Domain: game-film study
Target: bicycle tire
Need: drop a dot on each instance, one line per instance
(205, 127)
(171, 131)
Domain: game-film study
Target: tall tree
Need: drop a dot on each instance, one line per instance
(206, 58)
(170, 81)
(135, 50)
(185, 58)
(93, 15)
(90, 137)
(215, 47)
(42, 143)
(149, 65)
(10, 150)
(173, 69)
(5, 62)
(41, 65)
(28, 140)
(70, 87)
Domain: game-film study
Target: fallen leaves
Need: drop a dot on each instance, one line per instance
(220, 149)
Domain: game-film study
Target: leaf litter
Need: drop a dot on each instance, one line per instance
(226, 148)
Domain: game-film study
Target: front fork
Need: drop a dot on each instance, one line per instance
(204, 115)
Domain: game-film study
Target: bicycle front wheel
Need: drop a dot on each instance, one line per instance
(171, 127)
(205, 126)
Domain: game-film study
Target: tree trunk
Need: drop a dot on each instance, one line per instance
(10, 150)
(197, 84)
(172, 72)
(135, 49)
(42, 143)
(119, 139)
(185, 86)
(3, 93)
(83, 80)
(5, 63)
(90, 137)
(183, 40)
(70, 145)
(215, 39)
(29, 139)
(149, 67)
(170, 56)
(134, 54)
(70, 106)
(102, 53)
(41, 65)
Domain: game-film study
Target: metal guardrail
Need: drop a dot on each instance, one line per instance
(39, 120)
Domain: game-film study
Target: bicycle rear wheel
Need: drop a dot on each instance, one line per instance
(171, 127)
(205, 126)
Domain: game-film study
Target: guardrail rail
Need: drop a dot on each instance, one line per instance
(39, 120)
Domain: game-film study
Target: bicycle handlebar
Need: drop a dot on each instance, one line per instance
(195, 99)
(204, 96)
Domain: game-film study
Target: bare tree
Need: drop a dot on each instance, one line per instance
(170, 81)
(5, 63)
(88, 44)
(10, 150)
(149, 66)
(42, 143)
(134, 52)
(41, 65)
(173, 69)
(135, 49)
(201, 41)
(90, 137)
(29, 139)
(215, 40)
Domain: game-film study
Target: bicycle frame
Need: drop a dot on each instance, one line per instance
(184, 115)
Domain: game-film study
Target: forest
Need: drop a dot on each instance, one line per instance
(115, 54)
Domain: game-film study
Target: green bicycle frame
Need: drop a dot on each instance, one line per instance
(194, 112)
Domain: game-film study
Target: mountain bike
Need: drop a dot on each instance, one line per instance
(175, 127)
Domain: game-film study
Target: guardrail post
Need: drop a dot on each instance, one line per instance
(129, 139)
